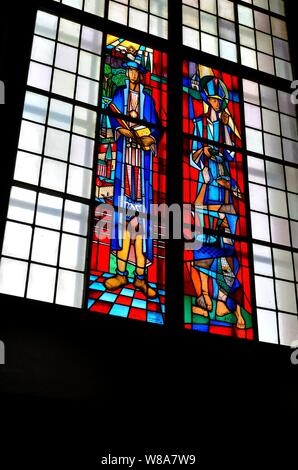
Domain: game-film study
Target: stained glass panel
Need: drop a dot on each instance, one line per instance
(216, 266)
(128, 264)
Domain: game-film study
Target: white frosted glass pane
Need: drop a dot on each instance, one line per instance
(256, 170)
(280, 231)
(75, 218)
(271, 121)
(49, 211)
(74, 3)
(82, 151)
(296, 264)
(275, 175)
(13, 276)
(89, 65)
(138, 20)
(41, 283)
(251, 92)
(228, 50)
(209, 44)
(294, 233)
(279, 28)
(208, 23)
(288, 328)
(267, 326)
(66, 58)
(141, 4)
(261, 3)
(285, 104)
(281, 49)
(265, 63)
(293, 206)
(264, 42)
(245, 16)
(158, 27)
(262, 22)
(43, 50)
(226, 30)
(87, 91)
(46, 25)
(260, 226)
(84, 122)
(283, 264)
(248, 57)
(117, 13)
(91, 40)
(283, 69)
(69, 32)
(35, 107)
(277, 6)
(247, 37)
(292, 179)
(45, 246)
(290, 150)
(159, 7)
(195, 3)
(70, 289)
(208, 5)
(22, 205)
(272, 146)
(258, 198)
(57, 143)
(79, 182)
(289, 127)
(60, 114)
(96, 7)
(73, 252)
(39, 76)
(264, 292)
(226, 9)
(63, 83)
(254, 140)
(31, 137)
(17, 240)
(269, 97)
(53, 175)
(262, 260)
(191, 38)
(286, 297)
(277, 202)
(27, 168)
(252, 116)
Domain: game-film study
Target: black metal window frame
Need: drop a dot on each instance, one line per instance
(173, 46)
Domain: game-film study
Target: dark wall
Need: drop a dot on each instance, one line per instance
(86, 384)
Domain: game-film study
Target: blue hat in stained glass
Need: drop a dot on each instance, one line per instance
(134, 65)
(213, 87)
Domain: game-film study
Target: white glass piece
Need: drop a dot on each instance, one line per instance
(260, 226)
(27, 168)
(39, 76)
(227, 50)
(95, 7)
(267, 326)
(84, 122)
(53, 175)
(159, 8)
(57, 144)
(117, 13)
(63, 83)
(21, 205)
(31, 137)
(43, 50)
(288, 328)
(158, 27)
(275, 175)
(245, 16)
(69, 32)
(17, 240)
(256, 170)
(258, 198)
(248, 57)
(87, 91)
(209, 44)
(280, 231)
(271, 121)
(262, 260)
(60, 114)
(76, 218)
(191, 38)
(283, 265)
(264, 292)
(66, 58)
(46, 25)
(272, 145)
(138, 20)
(49, 211)
(252, 116)
(277, 202)
(70, 288)
(13, 275)
(73, 252)
(254, 140)
(79, 182)
(41, 284)
(91, 40)
(82, 151)
(35, 107)
(45, 246)
(226, 9)
(286, 297)
(89, 65)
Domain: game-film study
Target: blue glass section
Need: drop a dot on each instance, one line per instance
(120, 311)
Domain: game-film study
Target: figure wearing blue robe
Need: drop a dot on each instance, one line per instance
(147, 112)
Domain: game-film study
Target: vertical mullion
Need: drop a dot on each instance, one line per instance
(174, 193)
(92, 206)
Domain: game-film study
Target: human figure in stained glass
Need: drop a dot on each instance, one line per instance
(216, 259)
(136, 146)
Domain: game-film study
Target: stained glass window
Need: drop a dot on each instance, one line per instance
(128, 272)
(216, 266)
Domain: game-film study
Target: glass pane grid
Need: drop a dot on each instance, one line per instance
(95, 7)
